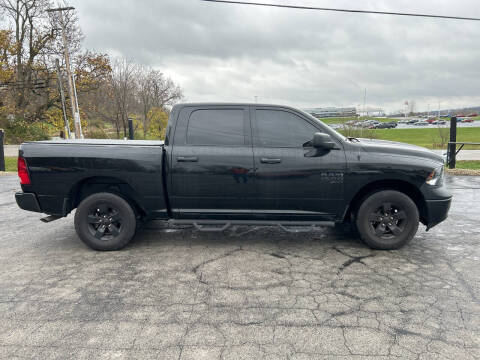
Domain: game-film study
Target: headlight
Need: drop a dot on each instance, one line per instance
(436, 177)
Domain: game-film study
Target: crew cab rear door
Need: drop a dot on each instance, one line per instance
(212, 163)
(293, 180)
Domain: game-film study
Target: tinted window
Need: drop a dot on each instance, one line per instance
(216, 127)
(281, 128)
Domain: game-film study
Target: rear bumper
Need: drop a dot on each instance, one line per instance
(28, 201)
(437, 211)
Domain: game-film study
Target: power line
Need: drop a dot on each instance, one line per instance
(341, 10)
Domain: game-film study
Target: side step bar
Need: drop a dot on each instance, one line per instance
(222, 225)
(50, 218)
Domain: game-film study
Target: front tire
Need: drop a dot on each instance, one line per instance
(105, 222)
(387, 220)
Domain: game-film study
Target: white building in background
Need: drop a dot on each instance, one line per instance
(371, 111)
(331, 112)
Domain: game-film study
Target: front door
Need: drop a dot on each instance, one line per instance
(212, 163)
(294, 180)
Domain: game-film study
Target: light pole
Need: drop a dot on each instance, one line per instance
(71, 86)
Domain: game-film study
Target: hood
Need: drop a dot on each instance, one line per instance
(398, 148)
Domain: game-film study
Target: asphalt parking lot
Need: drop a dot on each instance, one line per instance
(246, 293)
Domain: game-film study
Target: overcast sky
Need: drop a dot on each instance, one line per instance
(219, 52)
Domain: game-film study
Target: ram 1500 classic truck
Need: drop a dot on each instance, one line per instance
(223, 164)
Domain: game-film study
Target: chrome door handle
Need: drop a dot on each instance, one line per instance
(270, 161)
(187, 159)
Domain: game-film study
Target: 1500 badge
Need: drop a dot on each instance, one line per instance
(331, 177)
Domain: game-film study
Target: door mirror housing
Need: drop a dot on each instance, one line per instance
(323, 141)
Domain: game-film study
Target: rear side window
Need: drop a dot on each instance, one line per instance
(276, 128)
(216, 127)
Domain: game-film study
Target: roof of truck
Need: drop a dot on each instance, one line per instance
(230, 104)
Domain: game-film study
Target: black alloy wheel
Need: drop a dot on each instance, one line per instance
(105, 222)
(387, 220)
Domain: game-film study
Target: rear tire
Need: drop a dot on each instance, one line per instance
(387, 220)
(105, 222)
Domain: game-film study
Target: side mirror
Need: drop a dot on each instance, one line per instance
(323, 141)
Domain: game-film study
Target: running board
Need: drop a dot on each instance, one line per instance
(50, 218)
(222, 225)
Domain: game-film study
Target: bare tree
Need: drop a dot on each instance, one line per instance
(155, 90)
(443, 136)
(145, 96)
(123, 82)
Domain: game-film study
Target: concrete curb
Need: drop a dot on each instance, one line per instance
(3, 173)
(463, 172)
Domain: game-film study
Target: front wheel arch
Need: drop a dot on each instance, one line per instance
(397, 185)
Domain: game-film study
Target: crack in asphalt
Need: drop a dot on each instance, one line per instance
(352, 260)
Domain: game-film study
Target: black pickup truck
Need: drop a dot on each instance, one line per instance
(224, 164)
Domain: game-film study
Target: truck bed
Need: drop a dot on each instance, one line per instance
(63, 171)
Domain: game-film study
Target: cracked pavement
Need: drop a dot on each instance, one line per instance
(245, 293)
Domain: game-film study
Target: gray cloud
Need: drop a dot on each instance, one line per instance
(303, 58)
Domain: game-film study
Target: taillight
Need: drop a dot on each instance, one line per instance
(23, 172)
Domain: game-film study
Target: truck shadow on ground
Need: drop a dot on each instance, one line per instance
(159, 232)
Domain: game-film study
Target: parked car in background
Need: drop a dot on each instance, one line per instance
(431, 119)
(386, 125)
(422, 123)
(413, 121)
(368, 123)
(473, 115)
(467, 120)
(439, 122)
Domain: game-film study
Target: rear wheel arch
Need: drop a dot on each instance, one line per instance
(101, 184)
(398, 185)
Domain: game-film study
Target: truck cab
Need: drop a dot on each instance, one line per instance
(239, 161)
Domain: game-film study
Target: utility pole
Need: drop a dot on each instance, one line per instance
(76, 104)
(62, 96)
(365, 102)
(71, 89)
